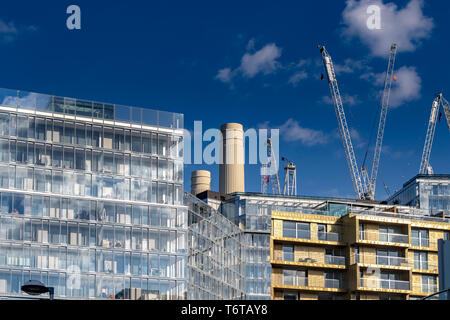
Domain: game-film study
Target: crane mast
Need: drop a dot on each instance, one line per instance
(358, 186)
(382, 123)
(425, 167)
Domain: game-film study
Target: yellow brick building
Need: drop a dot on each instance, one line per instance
(356, 256)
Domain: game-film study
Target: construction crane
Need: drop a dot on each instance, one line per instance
(358, 186)
(363, 186)
(269, 177)
(290, 178)
(425, 167)
(382, 123)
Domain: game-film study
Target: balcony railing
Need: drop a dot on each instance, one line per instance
(335, 260)
(380, 260)
(295, 281)
(376, 283)
(329, 236)
(308, 282)
(423, 242)
(384, 237)
(425, 288)
(327, 259)
(424, 265)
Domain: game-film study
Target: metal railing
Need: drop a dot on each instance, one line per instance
(380, 260)
(376, 283)
(384, 237)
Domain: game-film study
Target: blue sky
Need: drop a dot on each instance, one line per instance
(253, 62)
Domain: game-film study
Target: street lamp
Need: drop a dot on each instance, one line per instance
(36, 288)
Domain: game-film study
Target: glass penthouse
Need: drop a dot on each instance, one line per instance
(91, 199)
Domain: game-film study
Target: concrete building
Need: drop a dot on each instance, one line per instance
(429, 192)
(92, 204)
(231, 169)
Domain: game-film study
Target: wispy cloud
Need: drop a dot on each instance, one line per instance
(292, 131)
(9, 31)
(297, 77)
(406, 26)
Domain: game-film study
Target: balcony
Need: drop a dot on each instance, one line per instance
(376, 283)
(329, 236)
(384, 237)
(314, 283)
(380, 260)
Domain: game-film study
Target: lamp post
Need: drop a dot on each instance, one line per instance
(36, 288)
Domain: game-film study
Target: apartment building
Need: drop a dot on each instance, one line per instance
(367, 255)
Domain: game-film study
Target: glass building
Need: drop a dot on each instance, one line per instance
(91, 199)
(216, 260)
(429, 192)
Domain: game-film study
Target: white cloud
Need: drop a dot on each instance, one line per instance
(291, 131)
(406, 89)
(224, 75)
(262, 61)
(406, 26)
(297, 77)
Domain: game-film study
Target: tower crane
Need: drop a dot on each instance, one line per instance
(363, 186)
(358, 186)
(382, 123)
(425, 167)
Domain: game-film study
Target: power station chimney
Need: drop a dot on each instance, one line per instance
(200, 181)
(231, 168)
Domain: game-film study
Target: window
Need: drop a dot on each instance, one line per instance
(421, 260)
(388, 257)
(288, 253)
(419, 238)
(296, 230)
(322, 232)
(429, 284)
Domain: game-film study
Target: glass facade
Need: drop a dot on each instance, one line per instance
(216, 254)
(91, 199)
(428, 192)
